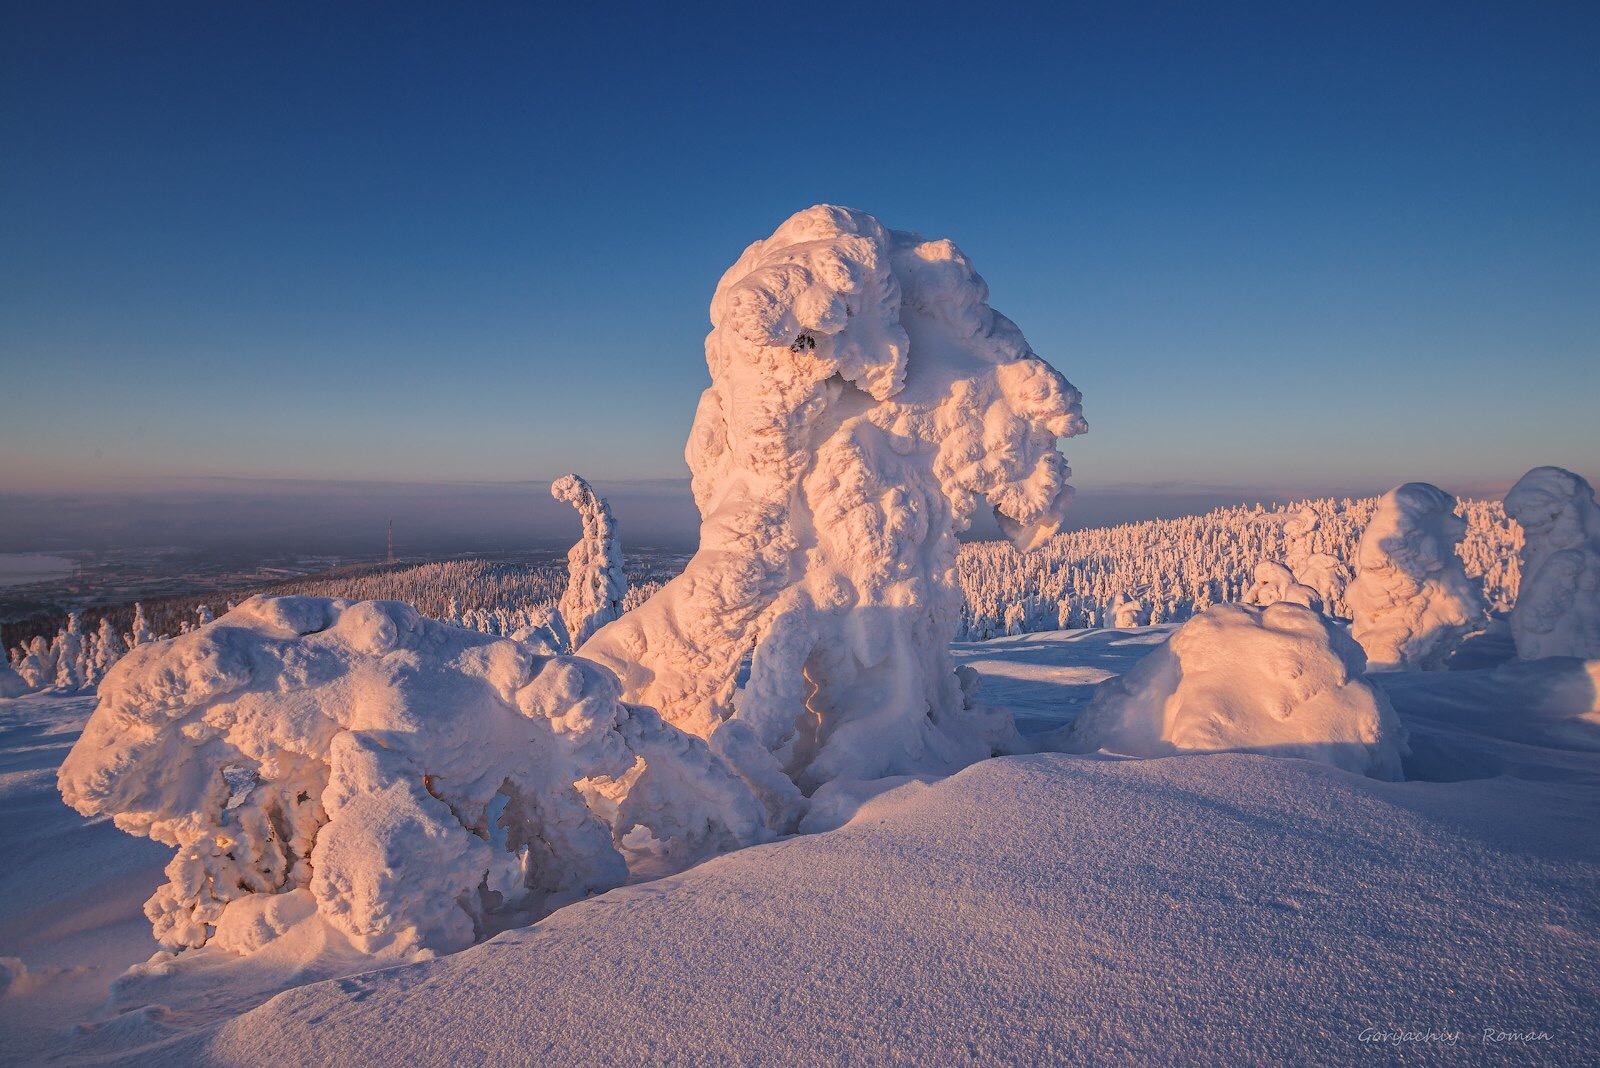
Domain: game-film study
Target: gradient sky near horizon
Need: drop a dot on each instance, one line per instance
(1292, 247)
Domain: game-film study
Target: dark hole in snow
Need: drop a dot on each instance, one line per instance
(803, 343)
(241, 780)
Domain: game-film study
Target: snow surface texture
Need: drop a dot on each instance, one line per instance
(596, 584)
(1013, 913)
(1411, 602)
(1558, 609)
(1281, 680)
(864, 399)
(413, 785)
(1016, 913)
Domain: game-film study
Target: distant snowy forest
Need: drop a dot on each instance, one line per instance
(1135, 574)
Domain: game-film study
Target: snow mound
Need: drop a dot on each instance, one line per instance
(1281, 680)
(864, 399)
(1411, 602)
(596, 584)
(11, 684)
(1276, 583)
(412, 784)
(1558, 604)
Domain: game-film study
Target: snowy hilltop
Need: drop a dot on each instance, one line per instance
(767, 802)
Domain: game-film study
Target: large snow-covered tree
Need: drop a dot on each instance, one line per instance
(1411, 602)
(1558, 604)
(865, 399)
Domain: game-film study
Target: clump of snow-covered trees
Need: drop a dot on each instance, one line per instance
(1166, 570)
(76, 659)
(410, 784)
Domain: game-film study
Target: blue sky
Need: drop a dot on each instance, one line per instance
(1280, 247)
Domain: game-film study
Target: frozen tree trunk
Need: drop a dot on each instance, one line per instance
(1558, 604)
(864, 399)
(1411, 602)
(596, 585)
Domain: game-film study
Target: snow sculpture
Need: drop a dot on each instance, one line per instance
(1557, 612)
(1282, 680)
(864, 397)
(1411, 602)
(596, 585)
(1319, 571)
(412, 785)
(1275, 583)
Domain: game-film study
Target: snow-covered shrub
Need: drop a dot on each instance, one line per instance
(1274, 583)
(864, 400)
(1411, 602)
(1282, 680)
(1558, 606)
(596, 585)
(412, 783)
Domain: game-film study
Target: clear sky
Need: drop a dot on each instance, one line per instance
(1279, 246)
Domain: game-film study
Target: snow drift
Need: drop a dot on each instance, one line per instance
(412, 784)
(11, 684)
(864, 399)
(1411, 602)
(1558, 604)
(1282, 680)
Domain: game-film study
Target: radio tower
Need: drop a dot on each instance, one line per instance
(391, 541)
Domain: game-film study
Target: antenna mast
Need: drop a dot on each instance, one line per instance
(391, 541)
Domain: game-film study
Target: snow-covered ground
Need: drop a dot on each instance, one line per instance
(1222, 908)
